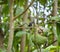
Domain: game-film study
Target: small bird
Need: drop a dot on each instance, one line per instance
(30, 24)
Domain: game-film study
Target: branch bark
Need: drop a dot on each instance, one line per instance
(11, 28)
(1, 31)
(23, 38)
(55, 10)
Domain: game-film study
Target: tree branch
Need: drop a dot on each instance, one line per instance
(23, 11)
(52, 43)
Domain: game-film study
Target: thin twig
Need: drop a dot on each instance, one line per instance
(52, 43)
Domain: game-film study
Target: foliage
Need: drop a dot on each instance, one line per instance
(51, 25)
(58, 32)
(39, 39)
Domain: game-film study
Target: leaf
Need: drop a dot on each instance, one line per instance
(1, 50)
(58, 32)
(41, 18)
(19, 2)
(43, 2)
(5, 10)
(20, 33)
(19, 10)
(31, 43)
(56, 18)
(22, 2)
(29, 40)
(50, 48)
(39, 39)
(58, 2)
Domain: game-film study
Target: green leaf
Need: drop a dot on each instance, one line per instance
(39, 39)
(22, 2)
(20, 33)
(41, 18)
(19, 2)
(58, 32)
(56, 18)
(1, 50)
(5, 10)
(43, 2)
(19, 10)
(58, 2)
(50, 48)
(29, 40)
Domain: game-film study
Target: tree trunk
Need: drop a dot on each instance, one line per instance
(55, 6)
(23, 38)
(55, 10)
(11, 30)
(1, 31)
